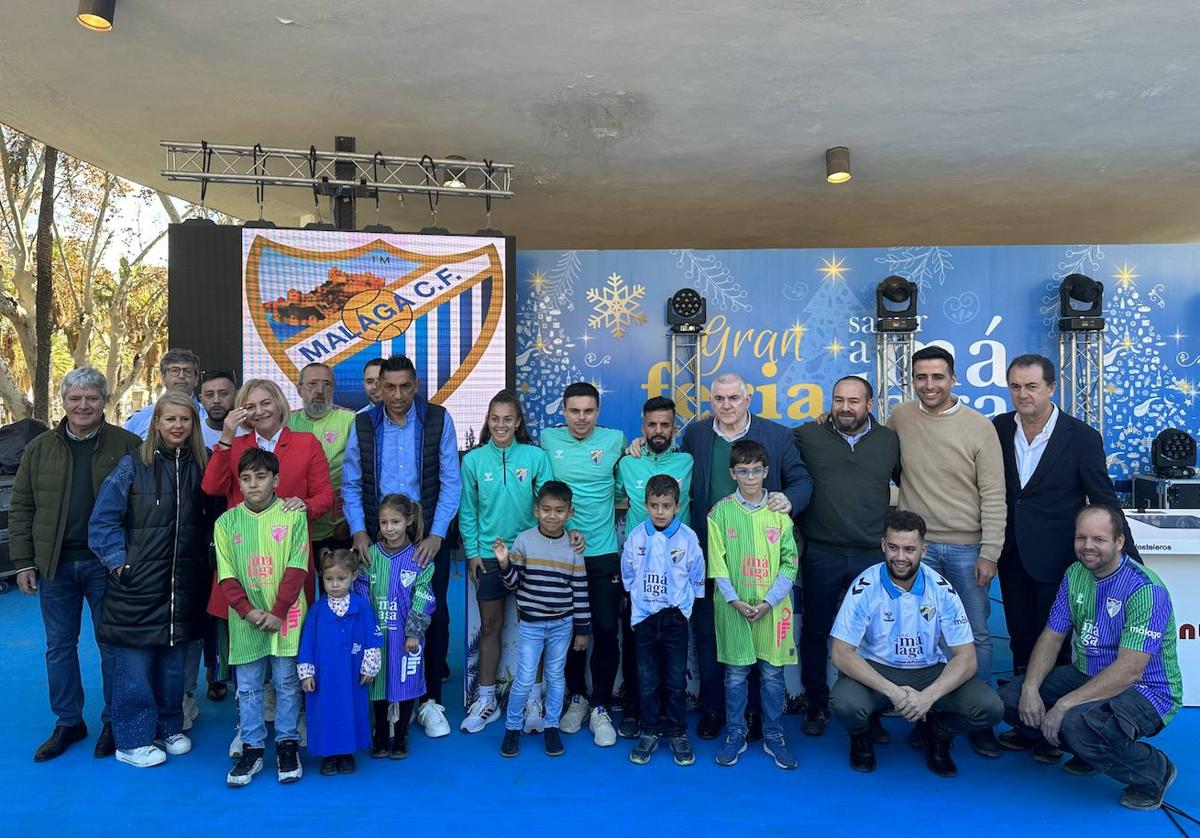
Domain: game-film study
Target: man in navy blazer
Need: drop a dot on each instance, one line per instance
(788, 485)
(1053, 465)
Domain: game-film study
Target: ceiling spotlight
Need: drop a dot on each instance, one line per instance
(96, 15)
(455, 174)
(837, 164)
(896, 305)
(1080, 304)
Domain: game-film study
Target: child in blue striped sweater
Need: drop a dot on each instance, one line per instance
(550, 579)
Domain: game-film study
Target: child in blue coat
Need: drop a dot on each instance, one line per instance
(339, 656)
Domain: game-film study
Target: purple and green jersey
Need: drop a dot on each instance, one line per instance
(1128, 609)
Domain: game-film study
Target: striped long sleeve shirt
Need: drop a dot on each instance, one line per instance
(550, 579)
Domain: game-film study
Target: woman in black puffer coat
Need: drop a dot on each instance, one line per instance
(151, 528)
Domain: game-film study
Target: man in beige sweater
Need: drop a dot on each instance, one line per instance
(953, 477)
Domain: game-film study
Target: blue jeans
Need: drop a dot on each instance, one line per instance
(61, 600)
(250, 680)
(147, 694)
(773, 694)
(956, 562)
(662, 645)
(555, 637)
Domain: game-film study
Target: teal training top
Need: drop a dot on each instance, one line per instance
(499, 486)
(634, 472)
(589, 467)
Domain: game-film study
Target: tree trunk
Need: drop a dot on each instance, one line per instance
(44, 311)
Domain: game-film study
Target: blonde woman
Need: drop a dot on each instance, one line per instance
(150, 529)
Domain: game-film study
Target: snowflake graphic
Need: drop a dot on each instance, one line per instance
(616, 306)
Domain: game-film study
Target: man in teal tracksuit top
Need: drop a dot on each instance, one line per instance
(584, 456)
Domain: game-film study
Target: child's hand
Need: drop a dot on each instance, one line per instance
(743, 608)
(412, 645)
(270, 623)
(501, 550)
(761, 610)
(255, 617)
(308, 684)
(581, 643)
(365, 679)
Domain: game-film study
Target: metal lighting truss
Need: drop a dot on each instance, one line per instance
(893, 370)
(685, 373)
(207, 163)
(1081, 365)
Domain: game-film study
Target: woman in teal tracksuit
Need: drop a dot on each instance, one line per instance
(500, 481)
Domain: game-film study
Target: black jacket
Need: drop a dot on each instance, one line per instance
(159, 596)
(1041, 517)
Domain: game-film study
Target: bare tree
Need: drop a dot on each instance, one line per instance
(44, 312)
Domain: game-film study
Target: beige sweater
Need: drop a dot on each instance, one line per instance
(953, 475)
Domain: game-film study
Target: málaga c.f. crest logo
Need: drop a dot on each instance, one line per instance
(375, 299)
(521, 474)
(597, 455)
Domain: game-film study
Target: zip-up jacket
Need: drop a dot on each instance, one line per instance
(661, 569)
(153, 523)
(499, 487)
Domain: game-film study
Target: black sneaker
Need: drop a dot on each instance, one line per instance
(553, 741)
(511, 746)
(329, 766)
(710, 726)
(816, 716)
(1046, 754)
(630, 727)
(346, 764)
(878, 731)
(985, 743)
(937, 755)
(644, 749)
(918, 737)
(862, 751)
(1079, 767)
(1015, 740)
(399, 748)
(287, 761)
(248, 764)
(1146, 801)
(681, 748)
(753, 726)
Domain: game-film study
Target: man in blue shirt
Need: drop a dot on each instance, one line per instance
(180, 371)
(887, 647)
(407, 445)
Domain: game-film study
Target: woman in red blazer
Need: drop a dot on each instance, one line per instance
(303, 471)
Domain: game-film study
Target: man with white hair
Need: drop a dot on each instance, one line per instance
(52, 498)
(789, 487)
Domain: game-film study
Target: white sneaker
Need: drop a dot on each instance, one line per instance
(481, 714)
(146, 756)
(176, 745)
(573, 718)
(602, 728)
(235, 746)
(535, 721)
(191, 710)
(432, 717)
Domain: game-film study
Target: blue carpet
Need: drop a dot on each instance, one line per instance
(460, 785)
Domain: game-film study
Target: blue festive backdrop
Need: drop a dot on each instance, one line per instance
(794, 321)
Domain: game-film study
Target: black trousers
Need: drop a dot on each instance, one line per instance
(605, 596)
(1027, 605)
(437, 638)
(662, 642)
(825, 575)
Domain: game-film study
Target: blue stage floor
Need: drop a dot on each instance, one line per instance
(460, 785)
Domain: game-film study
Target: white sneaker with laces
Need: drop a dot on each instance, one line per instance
(601, 725)
(481, 714)
(432, 717)
(535, 712)
(576, 712)
(191, 710)
(146, 756)
(176, 745)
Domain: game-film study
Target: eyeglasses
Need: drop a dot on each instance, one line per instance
(751, 473)
(181, 372)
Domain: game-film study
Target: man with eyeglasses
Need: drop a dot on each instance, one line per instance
(180, 370)
(331, 426)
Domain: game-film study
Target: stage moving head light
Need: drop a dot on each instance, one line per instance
(896, 305)
(1173, 454)
(687, 311)
(1079, 289)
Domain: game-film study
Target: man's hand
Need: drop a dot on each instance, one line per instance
(427, 549)
(294, 504)
(1032, 708)
(985, 570)
(308, 684)
(581, 643)
(1053, 721)
(918, 703)
(635, 448)
(778, 502)
(501, 551)
(577, 541)
(27, 581)
(475, 568)
(362, 545)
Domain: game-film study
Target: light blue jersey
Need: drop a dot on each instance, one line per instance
(661, 569)
(901, 628)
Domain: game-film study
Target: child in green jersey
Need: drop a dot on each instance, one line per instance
(262, 563)
(752, 561)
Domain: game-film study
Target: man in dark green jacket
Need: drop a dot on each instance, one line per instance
(852, 460)
(53, 494)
